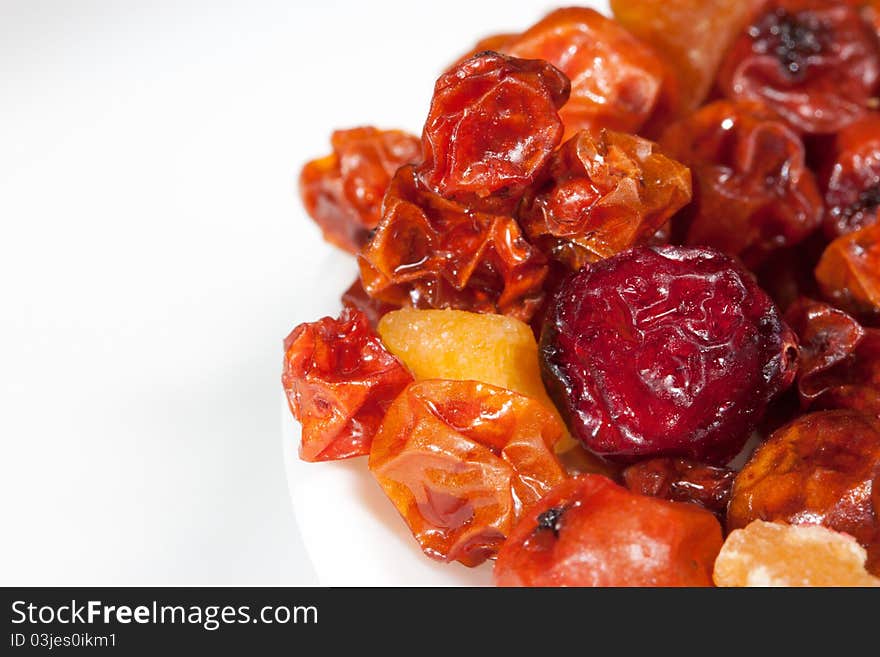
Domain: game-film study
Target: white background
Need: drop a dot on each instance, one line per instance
(153, 255)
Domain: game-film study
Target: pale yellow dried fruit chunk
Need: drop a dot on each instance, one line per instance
(465, 346)
(775, 554)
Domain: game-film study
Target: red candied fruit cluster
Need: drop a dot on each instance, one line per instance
(693, 296)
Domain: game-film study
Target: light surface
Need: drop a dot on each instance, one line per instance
(154, 254)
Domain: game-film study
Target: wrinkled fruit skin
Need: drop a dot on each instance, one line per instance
(692, 36)
(814, 62)
(591, 532)
(343, 191)
(775, 554)
(665, 351)
(615, 78)
(682, 480)
(819, 469)
(839, 359)
(753, 193)
(491, 128)
(604, 194)
(849, 273)
(852, 185)
(339, 381)
(462, 461)
(430, 252)
(356, 297)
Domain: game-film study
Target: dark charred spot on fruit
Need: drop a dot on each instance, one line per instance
(792, 38)
(551, 519)
(868, 201)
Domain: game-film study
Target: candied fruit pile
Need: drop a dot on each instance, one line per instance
(617, 313)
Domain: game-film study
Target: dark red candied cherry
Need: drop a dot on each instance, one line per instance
(432, 252)
(814, 62)
(588, 531)
(491, 128)
(339, 379)
(753, 193)
(839, 364)
(665, 351)
(343, 191)
(605, 192)
(822, 468)
(682, 480)
(852, 181)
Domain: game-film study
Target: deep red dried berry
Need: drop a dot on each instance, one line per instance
(339, 380)
(682, 480)
(814, 62)
(665, 351)
(492, 126)
(343, 191)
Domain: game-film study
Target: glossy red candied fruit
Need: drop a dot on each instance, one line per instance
(852, 182)
(431, 252)
(665, 351)
(591, 532)
(339, 380)
(615, 78)
(691, 35)
(753, 193)
(839, 362)
(343, 191)
(605, 192)
(462, 461)
(823, 468)
(814, 62)
(356, 297)
(491, 128)
(682, 480)
(849, 273)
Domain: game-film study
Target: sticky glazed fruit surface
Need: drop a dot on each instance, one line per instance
(665, 351)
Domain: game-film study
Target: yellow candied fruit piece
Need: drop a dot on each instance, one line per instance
(465, 346)
(775, 554)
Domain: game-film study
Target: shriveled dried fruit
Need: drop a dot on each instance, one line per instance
(682, 480)
(462, 461)
(356, 297)
(849, 273)
(343, 191)
(615, 78)
(819, 469)
(775, 554)
(430, 252)
(605, 193)
(692, 35)
(492, 126)
(839, 359)
(852, 183)
(815, 62)
(753, 193)
(591, 532)
(665, 351)
(339, 380)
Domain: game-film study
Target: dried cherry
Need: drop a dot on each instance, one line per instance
(343, 191)
(682, 480)
(492, 126)
(753, 193)
(839, 359)
(852, 183)
(431, 252)
(815, 62)
(615, 78)
(588, 531)
(462, 461)
(665, 351)
(606, 192)
(819, 469)
(339, 380)
(849, 273)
